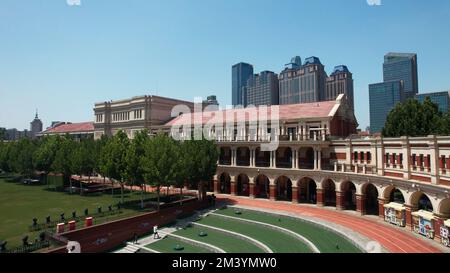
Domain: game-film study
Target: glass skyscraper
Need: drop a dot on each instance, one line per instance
(382, 99)
(402, 67)
(241, 72)
(262, 89)
(442, 99)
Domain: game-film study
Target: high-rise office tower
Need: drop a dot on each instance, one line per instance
(442, 99)
(402, 67)
(382, 99)
(241, 72)
(340, 82)
(302, 83)
(262, 89)
(400, 83)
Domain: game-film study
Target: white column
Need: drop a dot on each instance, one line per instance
(315, 159)
(271, 159)
(233, 156)
(319, 159)
(434, 160)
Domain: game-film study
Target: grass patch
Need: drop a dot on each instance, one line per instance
(19, 204)
(277, 241)
(226, 242)
(326, 241)
(168, 244)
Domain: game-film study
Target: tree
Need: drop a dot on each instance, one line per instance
(413, 118)
(101, 165)
(159, 162)
(45, 153)
(200, 163)
(5, 156)
(445, 126)
(113, 158)
(62, 162)
(182, 171)
(134, 154)
(21, 156)
(2, 134)
(83, 159)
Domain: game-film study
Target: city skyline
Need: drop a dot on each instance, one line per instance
(57, 56)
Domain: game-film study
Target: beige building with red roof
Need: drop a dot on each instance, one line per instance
(81, 130)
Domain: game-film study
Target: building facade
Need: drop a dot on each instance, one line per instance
(210, 100)
(262, 89)
(135, 114)
(382, 99)
(442, 99)
(402, 67)
(78, 131)
(340, 82)
(316, 162)
(240, 73)
(302, 84)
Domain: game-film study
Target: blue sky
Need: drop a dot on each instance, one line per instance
(62, 59)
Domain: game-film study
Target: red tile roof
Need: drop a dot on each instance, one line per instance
(286, 112)
(71, 128)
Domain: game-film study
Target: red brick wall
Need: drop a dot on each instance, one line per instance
(421, 178)
(340, 156)
(393, 174)
(444, 182)
(104, 237)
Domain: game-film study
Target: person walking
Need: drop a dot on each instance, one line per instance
(155, 232)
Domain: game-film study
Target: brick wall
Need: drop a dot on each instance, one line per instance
(104, 237)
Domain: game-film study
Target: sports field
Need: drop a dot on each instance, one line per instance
(20, 203)
(254, 232)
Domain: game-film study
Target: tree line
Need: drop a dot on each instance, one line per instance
(413, 118)
(158, 161)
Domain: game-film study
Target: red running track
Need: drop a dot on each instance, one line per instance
(395, 241)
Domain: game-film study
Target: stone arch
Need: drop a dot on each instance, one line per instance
(329, 192)
(371, 194)
(243, 185)
(394, 194)
(283, 188)
(421, 201)
(307, 190)
(225, 183)
(348, 189)
(444, 208)
(262, 186)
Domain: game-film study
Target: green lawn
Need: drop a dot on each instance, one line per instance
(19, 204)
(226, 242)
(167, 245)
(325, 240)
(278, 241)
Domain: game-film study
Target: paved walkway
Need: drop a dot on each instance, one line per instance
(392, 239)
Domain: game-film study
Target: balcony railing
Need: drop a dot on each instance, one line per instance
(268, 137)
